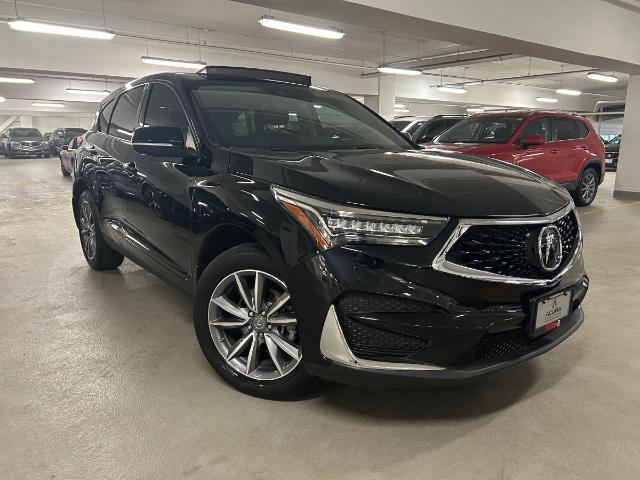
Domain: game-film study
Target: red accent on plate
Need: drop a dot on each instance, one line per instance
(550, 326)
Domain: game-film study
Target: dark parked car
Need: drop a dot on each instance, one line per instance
(562, 147)
(23, 142)
(318, 241)
(47, 136)
(424, 129)
(62, 136)
(611, 152)
(67, 156)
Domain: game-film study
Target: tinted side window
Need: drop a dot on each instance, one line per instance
(432, 131)
(103, 117)
(564, 129)
(537, 128)
(582, 127)
(125, 115)
(164, 110)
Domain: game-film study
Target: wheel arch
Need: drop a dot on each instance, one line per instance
(596, 164)
(79, 186)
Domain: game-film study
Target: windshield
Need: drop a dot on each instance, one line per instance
(491, 129)
(289, 117)
(24, 132)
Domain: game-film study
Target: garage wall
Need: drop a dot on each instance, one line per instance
(48, 124)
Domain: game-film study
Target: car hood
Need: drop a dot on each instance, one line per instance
(420, 182)
(27, 139)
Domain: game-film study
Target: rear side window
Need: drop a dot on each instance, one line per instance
(538, 127)
(103, 117)
(582, 128)
(432, 131)
(125, 115)
(564, 129)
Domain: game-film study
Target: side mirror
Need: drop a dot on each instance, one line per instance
(160, 142)
(65, 147)
(532, 140)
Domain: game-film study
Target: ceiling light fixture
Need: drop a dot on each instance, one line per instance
(2, 99)
(399, 105)
(38, 27)
(475, 110)
(169, 62)
(471, 84)
(568, 91)
(402, 110)
(84, 91)
(270, 22)
(16, 80)
(399, 71)
(601, 77)
(547, 99)
(449, 89)
(48, 104)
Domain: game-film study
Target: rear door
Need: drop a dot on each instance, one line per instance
(571, 149)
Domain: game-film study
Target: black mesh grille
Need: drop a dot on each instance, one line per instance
(371, 303)
(497, 344)
(510, 249)
(373, 343)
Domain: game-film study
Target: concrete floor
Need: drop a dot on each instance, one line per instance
(101, 377)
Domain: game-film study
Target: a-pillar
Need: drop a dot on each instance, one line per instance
(628, 175)
(383, 103)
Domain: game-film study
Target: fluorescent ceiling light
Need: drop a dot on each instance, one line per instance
(399, 71)
(568, 91)
(546, 99)
(459, 90)
(402, 110)
(399, 105)
(48, 104)
(602, 77)
(169, 62)
(84, 91)
(271, 22)
(475, 110)
(16, 80)
(38, 27)
(471, 84)
(2, 99)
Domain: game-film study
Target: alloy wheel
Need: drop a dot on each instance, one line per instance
(253, 325)
(588, 187)
(87, 230)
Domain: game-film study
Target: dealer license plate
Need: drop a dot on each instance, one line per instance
(551, 310)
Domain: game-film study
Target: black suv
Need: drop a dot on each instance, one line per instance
(62, 136)
(424, 129)
(16, 142)
(318, 241)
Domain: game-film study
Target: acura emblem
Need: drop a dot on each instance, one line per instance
(550, 248)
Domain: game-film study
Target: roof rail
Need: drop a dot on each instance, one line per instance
(257, 74)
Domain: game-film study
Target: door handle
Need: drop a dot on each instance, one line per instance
(131, 167)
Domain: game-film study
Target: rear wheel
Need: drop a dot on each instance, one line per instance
(246, 325)
(587, 188)
(97, 253)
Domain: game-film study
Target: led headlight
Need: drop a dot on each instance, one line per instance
(43, 143)
(332, 224)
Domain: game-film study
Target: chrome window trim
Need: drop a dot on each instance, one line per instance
(441, 264)
(333, 345)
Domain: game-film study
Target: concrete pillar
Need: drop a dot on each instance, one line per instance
(383, 103)
(628, 176)
(26, 121)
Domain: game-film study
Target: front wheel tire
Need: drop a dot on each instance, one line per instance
(97, 253)
(587, 188)
(246, 325)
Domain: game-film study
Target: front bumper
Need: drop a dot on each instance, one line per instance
(38, 150)
(453, 318)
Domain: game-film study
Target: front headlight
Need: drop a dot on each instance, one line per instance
(332, 224)
(15, 144)
(43, 143)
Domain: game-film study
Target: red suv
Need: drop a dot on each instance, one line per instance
(562, 147)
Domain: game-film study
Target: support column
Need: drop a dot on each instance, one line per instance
(628, 175)
(383, 103)
(26, 121)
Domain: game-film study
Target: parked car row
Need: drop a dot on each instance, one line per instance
(612, 151)
(16, 142)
